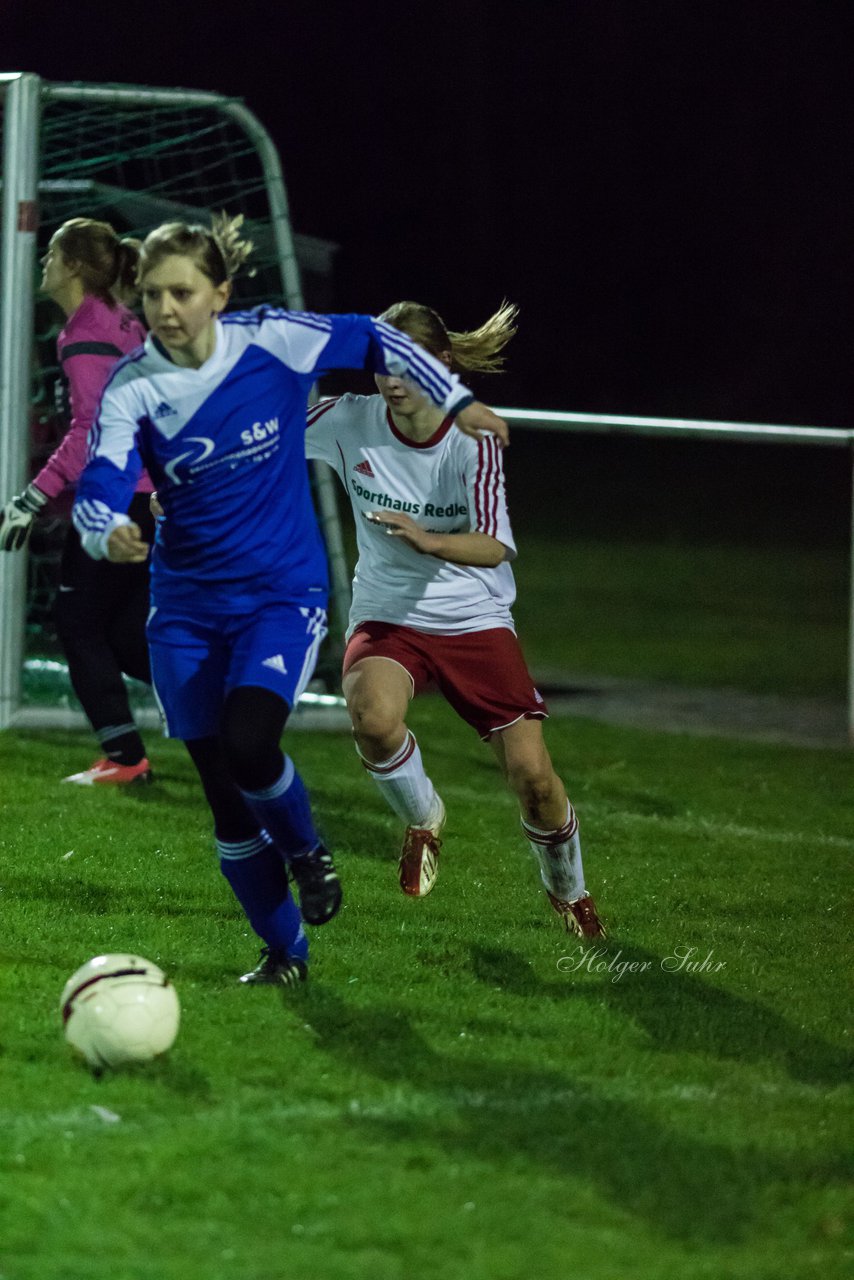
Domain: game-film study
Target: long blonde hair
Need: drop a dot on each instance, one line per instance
(477, 351)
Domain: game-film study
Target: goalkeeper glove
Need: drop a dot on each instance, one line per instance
(16, 518)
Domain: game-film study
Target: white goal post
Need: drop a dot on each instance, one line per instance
(149, 155)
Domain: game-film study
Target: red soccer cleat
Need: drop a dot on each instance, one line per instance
(419, 857)
(579, 917)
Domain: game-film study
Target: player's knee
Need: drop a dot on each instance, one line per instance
(534, 783)
(374, 720)
(250, 729)
(252, 763)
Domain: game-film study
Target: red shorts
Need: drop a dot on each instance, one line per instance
(482, 674)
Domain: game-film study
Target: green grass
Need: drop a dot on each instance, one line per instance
(764, 619)
(759, 617)
(443, 1099)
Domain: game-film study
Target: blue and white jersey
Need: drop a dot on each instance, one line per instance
(224, 445)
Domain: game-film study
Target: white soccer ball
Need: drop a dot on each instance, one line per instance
(119, 1009)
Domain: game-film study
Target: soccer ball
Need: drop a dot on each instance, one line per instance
(119, 1009)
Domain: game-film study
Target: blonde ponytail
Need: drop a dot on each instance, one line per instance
(234, 250)
(477, 351)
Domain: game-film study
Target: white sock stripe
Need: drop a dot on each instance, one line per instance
(115, 731)
(279, 787)
(234, 851)
(394, 762)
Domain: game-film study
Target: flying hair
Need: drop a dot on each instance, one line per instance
(234, 250)
(218, 250)
(476, 351)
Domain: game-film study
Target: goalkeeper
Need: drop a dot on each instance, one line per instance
(100, 608)
(432, 595)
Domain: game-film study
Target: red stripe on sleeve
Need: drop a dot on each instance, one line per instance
(486, 487)
(317, 410)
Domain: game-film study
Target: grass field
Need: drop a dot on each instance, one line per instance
(460, 1091)
(763, 619)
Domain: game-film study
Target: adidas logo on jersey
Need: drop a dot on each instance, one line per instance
(364, 469)
(164, 410)
(277, 663)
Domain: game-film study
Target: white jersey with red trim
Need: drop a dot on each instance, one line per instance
(449, 483)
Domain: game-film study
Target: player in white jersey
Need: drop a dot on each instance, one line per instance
(215, 408)
(432, 597)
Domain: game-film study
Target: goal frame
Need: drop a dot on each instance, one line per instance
(23, 96)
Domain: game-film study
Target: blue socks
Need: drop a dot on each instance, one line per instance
(284, 810)
(257, 875)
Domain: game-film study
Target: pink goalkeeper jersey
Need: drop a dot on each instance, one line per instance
(450, 483)
(95, 336)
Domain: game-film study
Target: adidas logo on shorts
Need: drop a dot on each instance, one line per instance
(277, 663)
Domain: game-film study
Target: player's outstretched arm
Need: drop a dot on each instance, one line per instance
(476, 420)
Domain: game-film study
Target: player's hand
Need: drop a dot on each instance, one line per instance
(399, 525)
(476, 419)
(16, 518)
(125, 545)
(154, 506)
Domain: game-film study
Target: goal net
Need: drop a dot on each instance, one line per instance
(133, 157)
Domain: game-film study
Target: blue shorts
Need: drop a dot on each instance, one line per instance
(196, 661)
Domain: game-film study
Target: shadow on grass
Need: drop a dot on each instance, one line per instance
(690, 1189)
(679, 1011)
(370, 836)
(87, 898)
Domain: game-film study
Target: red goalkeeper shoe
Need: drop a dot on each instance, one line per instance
(108, 773)
(579, 917)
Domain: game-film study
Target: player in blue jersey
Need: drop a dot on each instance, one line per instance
(213, 406)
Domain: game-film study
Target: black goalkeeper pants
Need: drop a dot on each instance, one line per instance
(100, 611)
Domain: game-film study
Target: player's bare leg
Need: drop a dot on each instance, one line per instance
(548, 823)
(378, 692)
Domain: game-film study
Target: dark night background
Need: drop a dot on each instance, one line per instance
(663, 188)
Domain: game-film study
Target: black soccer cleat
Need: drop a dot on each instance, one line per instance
(276, 968)
(319, 886)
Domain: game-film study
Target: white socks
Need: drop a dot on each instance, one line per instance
(404, 785)
(559, 856)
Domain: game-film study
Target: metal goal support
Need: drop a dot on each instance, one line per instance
(25, 99)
